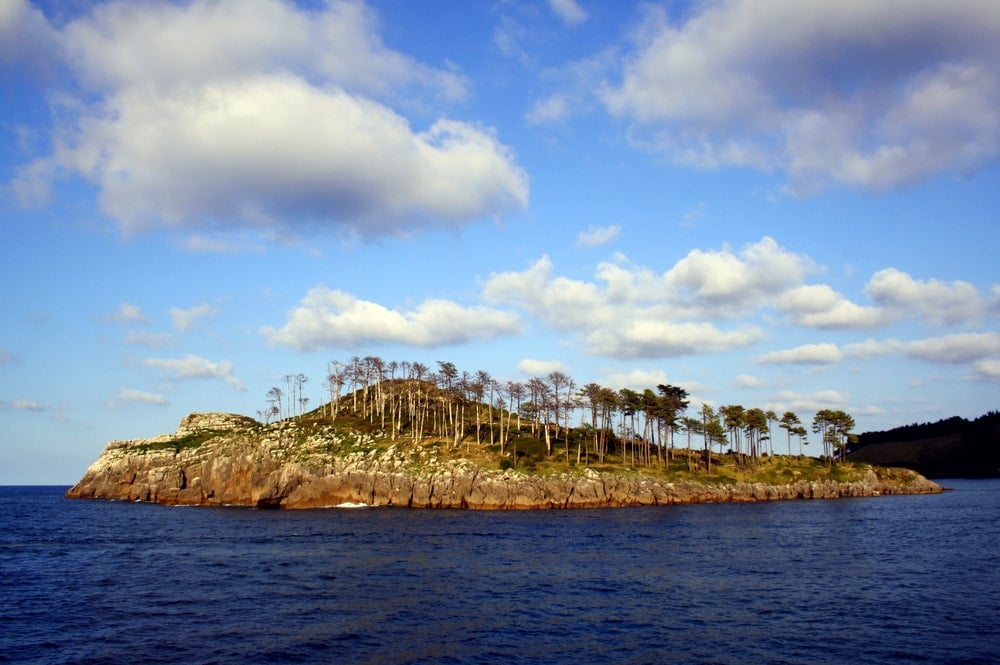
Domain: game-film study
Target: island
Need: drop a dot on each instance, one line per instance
(316, 460)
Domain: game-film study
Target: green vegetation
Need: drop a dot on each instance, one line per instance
(544, 426)
(177, 444)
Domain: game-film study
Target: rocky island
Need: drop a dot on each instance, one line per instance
(216, 459)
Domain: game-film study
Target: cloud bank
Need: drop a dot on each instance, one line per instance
(861, 94)
(262, 115)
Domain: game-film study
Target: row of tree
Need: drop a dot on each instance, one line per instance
(408, 399)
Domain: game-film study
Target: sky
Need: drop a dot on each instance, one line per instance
(780, 204)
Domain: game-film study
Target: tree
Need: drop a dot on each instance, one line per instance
(789, 423)
(754, 426)
(590, 394)
(673, 402)
(733, 417)
(691, 426)
(335, 381)
(834, 428)
(772, 417)
(558, 382)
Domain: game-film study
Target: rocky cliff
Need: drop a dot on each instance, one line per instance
(224, 459)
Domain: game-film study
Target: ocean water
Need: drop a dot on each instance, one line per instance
(907, 579)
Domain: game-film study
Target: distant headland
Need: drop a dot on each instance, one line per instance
(949, 448)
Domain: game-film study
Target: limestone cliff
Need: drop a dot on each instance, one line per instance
(224, 459)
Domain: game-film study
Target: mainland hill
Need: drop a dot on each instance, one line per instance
(406, 444)
(949, 448)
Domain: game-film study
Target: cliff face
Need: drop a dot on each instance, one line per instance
(223, 459)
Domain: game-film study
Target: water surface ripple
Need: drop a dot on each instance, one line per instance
(909, 579)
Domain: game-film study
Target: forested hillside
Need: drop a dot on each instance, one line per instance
(949, 448)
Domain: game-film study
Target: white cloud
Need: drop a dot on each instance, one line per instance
(564, 303)
(262, 115)
(872, 348)
(25, 35)
(937, 301)
(729, 279)
(987, 369)
(595, 236)
(533, 367)
(568, 11)
(550, 109)
(798, 402)
(807, 354)
(747, 381)
(129, 313)
(129, 395)
(332, 318)
(150, 340)
(164, 45)
(859, 94)
(318, 156)
(25, 405)
(643, 338)
(195, 367)
(819, 306)
(636, 379)
(184, 319)
(632, 312)
(219, 245)
(956, 348)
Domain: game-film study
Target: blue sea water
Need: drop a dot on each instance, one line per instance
(900, 579)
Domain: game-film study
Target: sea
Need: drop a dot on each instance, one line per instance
(895, 579)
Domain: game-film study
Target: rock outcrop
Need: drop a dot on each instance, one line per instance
(225, 459)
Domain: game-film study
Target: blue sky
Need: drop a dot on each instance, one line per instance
(774, 203)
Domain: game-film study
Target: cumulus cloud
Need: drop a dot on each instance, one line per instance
(25, 36)
(333, 318)
(937, 301)
(568, 11)
(987, 369)
(747, 381)
(872, 348)
(630, 311)
(858, 94)
(549, 109)
(129, 395)
(637, 379)
(739, 279)
(195, 367)
(267, 151)
(807, 354)
(799, 402)
(129, 313)
(643, 338)
(123, 44)
(534, 367)
(25, 405)
(819, 306)
(956, 348)
(219, 245)
(150, 340)
(263, 115)
(595, 236)
(184, 319)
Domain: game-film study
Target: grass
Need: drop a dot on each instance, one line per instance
(177, 444)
